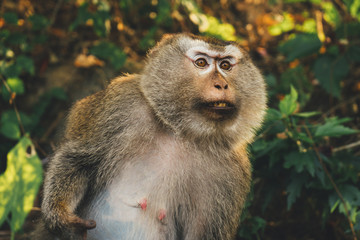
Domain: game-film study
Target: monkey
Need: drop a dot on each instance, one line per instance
(161, 154)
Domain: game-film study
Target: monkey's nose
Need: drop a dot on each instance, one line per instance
(221, 85)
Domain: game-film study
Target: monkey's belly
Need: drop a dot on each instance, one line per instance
(121, 211)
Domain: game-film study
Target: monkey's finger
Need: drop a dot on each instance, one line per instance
(90, 224)
(81, 223)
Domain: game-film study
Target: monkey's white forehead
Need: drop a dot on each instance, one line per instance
(195, 46)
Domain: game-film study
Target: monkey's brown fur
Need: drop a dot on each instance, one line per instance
(156, 135)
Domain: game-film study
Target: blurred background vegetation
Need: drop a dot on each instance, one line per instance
(306, 158)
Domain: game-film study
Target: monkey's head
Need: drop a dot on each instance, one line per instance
(204, 87)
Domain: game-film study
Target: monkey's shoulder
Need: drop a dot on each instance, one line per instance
(107, 108)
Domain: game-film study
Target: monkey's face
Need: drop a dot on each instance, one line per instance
(211, 68)
(204, 86)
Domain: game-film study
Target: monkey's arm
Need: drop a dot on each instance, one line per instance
(66, 183)
(70, 171)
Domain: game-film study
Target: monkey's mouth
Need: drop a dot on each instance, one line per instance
(219, 110)
(220, 105)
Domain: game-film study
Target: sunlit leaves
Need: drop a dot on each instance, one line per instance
(354, 8)
(286, 24)
(19, 184)
(207, 24)
(331, 15)
(218, 29)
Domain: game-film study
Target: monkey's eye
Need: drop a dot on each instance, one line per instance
(201, 62)
(225, 65)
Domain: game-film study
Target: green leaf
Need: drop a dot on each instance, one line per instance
(331, 15)
(333, 128)
(307, 114)
(58, 93)
(16, 38)
(82, 16)
(271, 80)
(351, 194)
(303, 138)
(39, 22)
(10, 18)
(148, 40)
(309, 26)
(39, 39)
(300, 46)
(44, 102)
(4, 34)
(272, 115)
(99, 19)
(164, 13)
(300, 161)
(16, 85)
(353, 53)
(110, 52)
(10, 116)
(348, 30)
(26, 64)
(288, 105)
(294, 188)
(19, 183)
(11, 71)
(10, 130)
(354, 8)
(334, 206)
(298, 78)
(330, 70)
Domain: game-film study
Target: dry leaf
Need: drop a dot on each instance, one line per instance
(87, 61)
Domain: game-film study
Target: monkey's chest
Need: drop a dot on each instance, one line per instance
(141, 202)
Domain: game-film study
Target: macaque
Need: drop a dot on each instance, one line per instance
(162, 154)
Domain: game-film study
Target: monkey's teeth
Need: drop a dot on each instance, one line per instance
(220, 104)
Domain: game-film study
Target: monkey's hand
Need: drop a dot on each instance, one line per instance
(69, 226)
